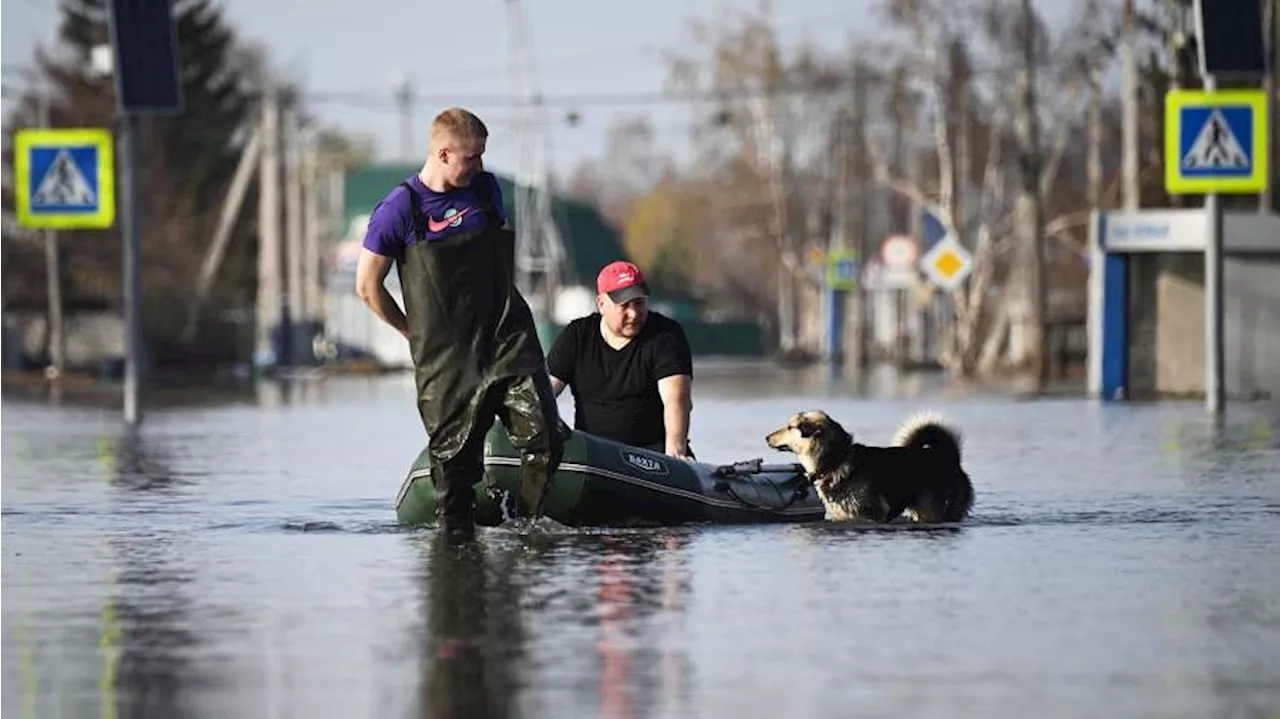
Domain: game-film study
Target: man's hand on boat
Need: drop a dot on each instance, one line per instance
(680, 450)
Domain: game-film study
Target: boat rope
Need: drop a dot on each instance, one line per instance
(801, 491)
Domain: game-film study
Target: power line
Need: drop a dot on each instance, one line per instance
(385, 101)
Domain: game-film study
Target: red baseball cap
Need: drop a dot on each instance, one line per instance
(622, 281)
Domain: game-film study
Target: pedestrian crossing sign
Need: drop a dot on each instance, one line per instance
(64, 178)
(1215, 141)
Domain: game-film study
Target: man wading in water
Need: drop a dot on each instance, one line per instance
(472, 337)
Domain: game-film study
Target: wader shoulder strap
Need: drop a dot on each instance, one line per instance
(485, 194)
(419, 222)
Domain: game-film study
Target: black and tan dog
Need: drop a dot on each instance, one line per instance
(921, 476)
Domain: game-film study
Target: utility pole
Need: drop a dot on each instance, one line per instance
(539, 247)
(249, 157)
(1129, 106)
(53, 274)
(293, 310)
(311, 236)
(1029, 212)
(268, 305)
(404, 102)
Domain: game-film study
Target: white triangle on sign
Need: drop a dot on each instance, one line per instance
(64, 185)
(1216, 146)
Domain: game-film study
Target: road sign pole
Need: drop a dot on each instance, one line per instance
(1214, 356)
(53, 276)
(132, 286)
(146, 63)
(835, 325)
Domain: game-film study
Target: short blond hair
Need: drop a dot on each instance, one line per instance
(456, 123)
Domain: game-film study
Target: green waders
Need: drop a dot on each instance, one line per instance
(476, 357)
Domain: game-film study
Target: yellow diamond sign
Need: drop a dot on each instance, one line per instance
(948, 263)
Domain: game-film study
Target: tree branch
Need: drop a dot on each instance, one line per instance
(1050, 170)
(907, 189)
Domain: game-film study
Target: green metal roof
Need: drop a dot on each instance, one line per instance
(590, 243)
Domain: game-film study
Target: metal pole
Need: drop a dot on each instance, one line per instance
(53, 274)
(1215, 400)
(1270, 36)
(310, 236)
(404, 102)
(132, 286)
(294, 313)
(266, 349)
(1129, 104)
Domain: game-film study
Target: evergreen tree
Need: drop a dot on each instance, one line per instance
(186, 165)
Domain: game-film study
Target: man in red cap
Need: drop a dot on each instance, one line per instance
(630, 369)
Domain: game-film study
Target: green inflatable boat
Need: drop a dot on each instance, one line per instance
(604, 483)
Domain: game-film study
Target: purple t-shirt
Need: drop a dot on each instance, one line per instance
(390, 228)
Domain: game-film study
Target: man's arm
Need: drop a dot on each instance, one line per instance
(371, 270)
(674, 368)
(677, 403)
(560, 360)
(557, 385)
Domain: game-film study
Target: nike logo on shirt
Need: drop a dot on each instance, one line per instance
(440, 225)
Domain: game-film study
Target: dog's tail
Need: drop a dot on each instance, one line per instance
(929, 429)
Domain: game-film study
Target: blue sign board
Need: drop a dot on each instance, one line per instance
(64, 178)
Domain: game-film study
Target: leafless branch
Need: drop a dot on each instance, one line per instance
(1050, 170)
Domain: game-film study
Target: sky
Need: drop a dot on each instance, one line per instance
(459, 53)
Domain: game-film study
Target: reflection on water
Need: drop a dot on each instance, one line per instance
(472, 653)
(241, 559)
(558, 619)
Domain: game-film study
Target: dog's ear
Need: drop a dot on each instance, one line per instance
(809, 428)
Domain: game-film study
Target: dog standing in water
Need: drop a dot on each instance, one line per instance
(921, 476)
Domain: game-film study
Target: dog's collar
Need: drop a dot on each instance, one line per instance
(851, 459)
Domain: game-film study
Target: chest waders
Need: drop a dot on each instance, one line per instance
(476, 357)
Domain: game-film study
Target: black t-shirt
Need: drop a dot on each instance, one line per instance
(615, 392)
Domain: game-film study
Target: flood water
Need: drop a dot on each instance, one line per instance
(240, 558)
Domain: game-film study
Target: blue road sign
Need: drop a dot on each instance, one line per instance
(1215, 141)
(64, 178)
(931, 229)
(842, 270)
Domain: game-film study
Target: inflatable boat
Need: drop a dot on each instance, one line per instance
(604, 483)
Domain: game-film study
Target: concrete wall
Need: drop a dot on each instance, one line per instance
(1166, 331)
(1252, 309)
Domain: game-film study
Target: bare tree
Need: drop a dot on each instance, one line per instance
(996, 214)
(765, 145)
